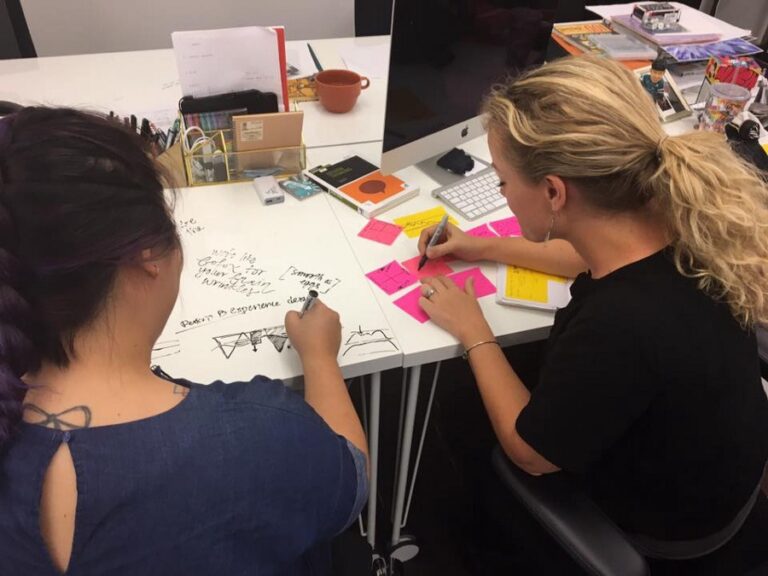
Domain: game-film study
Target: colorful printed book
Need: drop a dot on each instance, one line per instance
(531, 289)
(361, 185)
(578, 34)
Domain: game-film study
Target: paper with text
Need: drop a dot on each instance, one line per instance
(229, 60)
(413, 224)
(529, 285)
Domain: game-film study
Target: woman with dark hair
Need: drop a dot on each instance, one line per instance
(106, 468)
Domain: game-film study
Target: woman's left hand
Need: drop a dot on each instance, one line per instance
(455, 310)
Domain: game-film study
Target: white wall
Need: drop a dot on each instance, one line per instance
(61, 27)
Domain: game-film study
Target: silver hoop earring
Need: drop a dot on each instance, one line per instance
(551, 227)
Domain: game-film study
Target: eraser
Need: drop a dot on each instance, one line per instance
(268, 190)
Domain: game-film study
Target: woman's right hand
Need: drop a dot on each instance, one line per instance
(317, 334)
(458, 243)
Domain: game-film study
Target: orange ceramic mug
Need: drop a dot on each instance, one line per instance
(338, 89)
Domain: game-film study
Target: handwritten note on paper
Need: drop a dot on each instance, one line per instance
(524, 284)
(507, 227)
(228, 60)
(436, 267)
(481, 231)
(483, 286)
(392, 277)
(413, 224)
(380, 231)
(410, 304)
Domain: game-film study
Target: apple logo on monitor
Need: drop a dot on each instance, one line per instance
(464, 131)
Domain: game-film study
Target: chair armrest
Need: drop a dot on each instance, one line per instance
(573, 520)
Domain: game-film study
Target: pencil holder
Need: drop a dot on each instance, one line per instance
(209, 157)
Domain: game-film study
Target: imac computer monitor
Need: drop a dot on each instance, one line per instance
(445, 55)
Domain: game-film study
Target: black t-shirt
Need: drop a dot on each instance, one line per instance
(651, 392)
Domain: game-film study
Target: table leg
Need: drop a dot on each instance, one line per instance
(405, 454)
(373, 450)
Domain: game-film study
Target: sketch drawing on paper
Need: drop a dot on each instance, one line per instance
(228, 343)
(380, 339)
(164, 348)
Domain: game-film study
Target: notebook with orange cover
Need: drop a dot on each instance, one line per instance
(361, 185)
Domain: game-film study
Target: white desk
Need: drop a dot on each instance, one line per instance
(146, 83)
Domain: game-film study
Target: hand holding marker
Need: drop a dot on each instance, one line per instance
(308, 302)
(435, 238)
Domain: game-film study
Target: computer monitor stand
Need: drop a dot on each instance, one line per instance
(442, 176)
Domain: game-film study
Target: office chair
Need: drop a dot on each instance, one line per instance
(564, 510)
(573, 520)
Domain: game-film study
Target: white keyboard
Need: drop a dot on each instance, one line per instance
(473, 196)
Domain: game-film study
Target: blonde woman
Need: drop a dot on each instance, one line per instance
(650, 388)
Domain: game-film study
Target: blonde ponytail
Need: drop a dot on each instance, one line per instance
(588, 120)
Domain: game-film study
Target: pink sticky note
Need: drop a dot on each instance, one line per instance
(481, 231)
(410, 304)
(392, 277)
(380, 231)
(483, 286)
(436, 267)
(507, 227)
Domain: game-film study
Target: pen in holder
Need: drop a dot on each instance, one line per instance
(205, 156)
(211, 157)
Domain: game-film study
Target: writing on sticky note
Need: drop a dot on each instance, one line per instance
(436, 267)
(413, 224)
(524, 284)
(483, 286)
(410, 304)
(392, 277)
(380, 231)
(481, 231)
(507, 227)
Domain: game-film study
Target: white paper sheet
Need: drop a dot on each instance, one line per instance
(228, 60)
(370, 61)
(692, 20)
(300, 58)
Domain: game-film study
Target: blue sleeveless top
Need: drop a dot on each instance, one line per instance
(240, 478)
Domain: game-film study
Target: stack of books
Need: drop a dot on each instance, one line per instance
(596, 37)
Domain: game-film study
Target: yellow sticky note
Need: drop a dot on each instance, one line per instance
(413, 224)
(524, 284)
